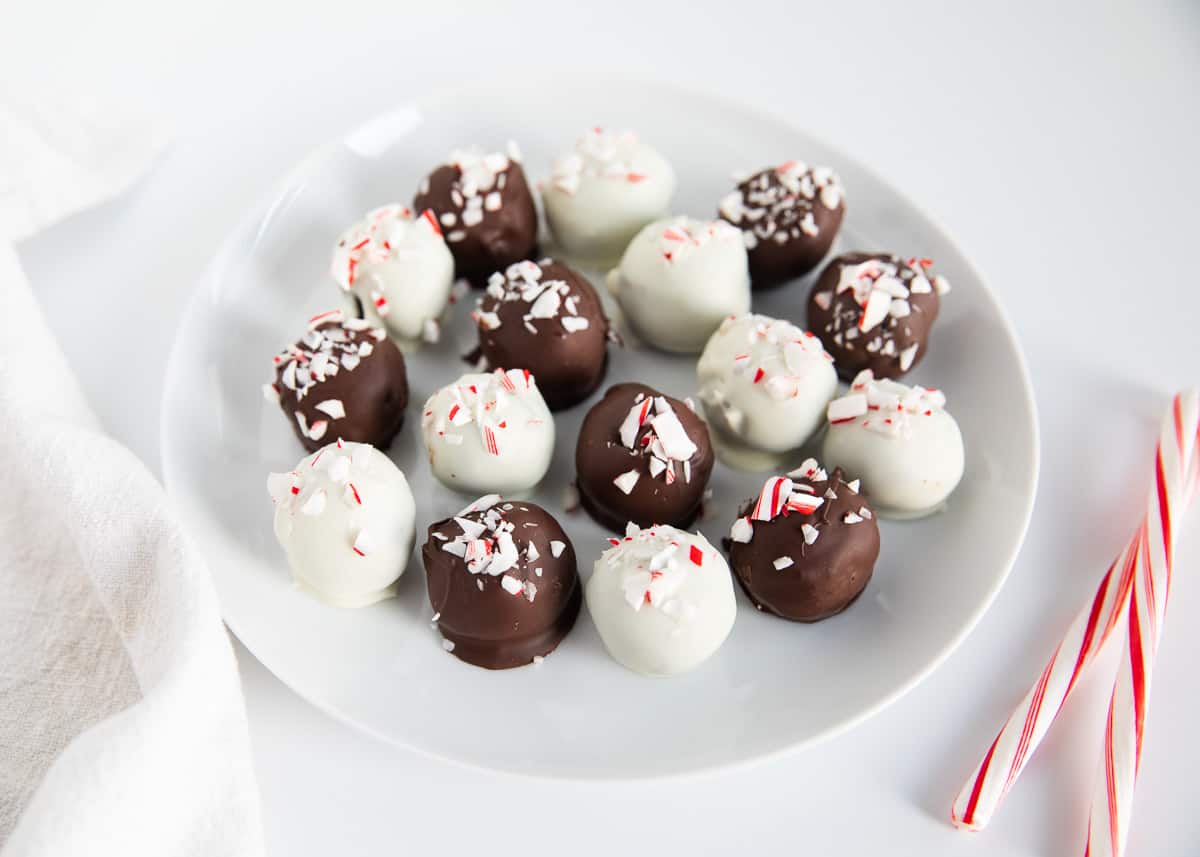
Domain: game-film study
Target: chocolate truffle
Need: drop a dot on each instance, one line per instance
(603, 192)
(485, 208)
(502, 581)
(397, 271)
(765, 382)
(679, 278)
(661, 600)
(345, 518)
(805, 549)
(642, 457)
(545, 317)
(789, 216)
(344, 379)
(902, 442)
(489, 432)
(875, 311)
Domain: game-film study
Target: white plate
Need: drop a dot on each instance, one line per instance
(775, 685)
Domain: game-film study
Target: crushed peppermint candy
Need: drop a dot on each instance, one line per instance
(332, 345)
(478, 189)
(778, 358)
(655, 562)
(598, 154)
(785, 495)
(873, 304)
(384, 234)
(546, 298)
(653, 429)
(680, 237)
(489, 546)
(783, 562)
(780, 203)
(329, 472)
(884, 406)
(486, 401)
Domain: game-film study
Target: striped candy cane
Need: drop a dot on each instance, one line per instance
(1175, 487)
(1016, 742)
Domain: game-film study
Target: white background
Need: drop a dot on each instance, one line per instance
(1058, 144)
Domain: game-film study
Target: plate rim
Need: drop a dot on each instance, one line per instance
(262, 211)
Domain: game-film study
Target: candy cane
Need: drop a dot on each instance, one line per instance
(1016, 742)
(1175, 487)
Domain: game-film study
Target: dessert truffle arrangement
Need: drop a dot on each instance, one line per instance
(802, 540)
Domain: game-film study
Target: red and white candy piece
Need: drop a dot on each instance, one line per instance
(1140, 573)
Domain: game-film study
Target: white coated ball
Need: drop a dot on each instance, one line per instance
(662, 600)
(679, 278)
(400, 270)
(900, 440)
(600, 194)
(765, 382)
(489, 433)
(345, 518)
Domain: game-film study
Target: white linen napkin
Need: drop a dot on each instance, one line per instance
(122, 726)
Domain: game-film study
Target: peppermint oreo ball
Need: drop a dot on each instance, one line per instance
(345, 518)
(344, 378)
(806, 547)
(502, 581)
(605, 190)
(679, 278)
(661, 599)
(545, 317)
(642, 457)
(397, 271)
(489, 432)
(765, 382)
(485, 209)
(789, 216)
(875, 311)
(900, 440)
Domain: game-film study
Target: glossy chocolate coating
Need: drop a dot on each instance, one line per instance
(600, 457)
(490, 626)
(825, 576)
(568, 363)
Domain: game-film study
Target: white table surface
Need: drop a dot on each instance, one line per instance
(1056, 141)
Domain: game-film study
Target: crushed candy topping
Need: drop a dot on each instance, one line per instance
(332, 471)
(871, 301)
(385, 233)
(485, 401)
(598, 154)
(778, 203)
(546, 299)
(655, 562)
(333, 344)
(883, 406)
(489, 545)
(653, 430)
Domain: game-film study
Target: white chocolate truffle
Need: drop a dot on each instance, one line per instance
(399, 269)
(662, 600)
(489, 433)
(900, 440)
(602, 193)
(765, 382)
(345, 518)
(679, 278)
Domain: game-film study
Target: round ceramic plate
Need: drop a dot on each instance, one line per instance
(774, 685)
